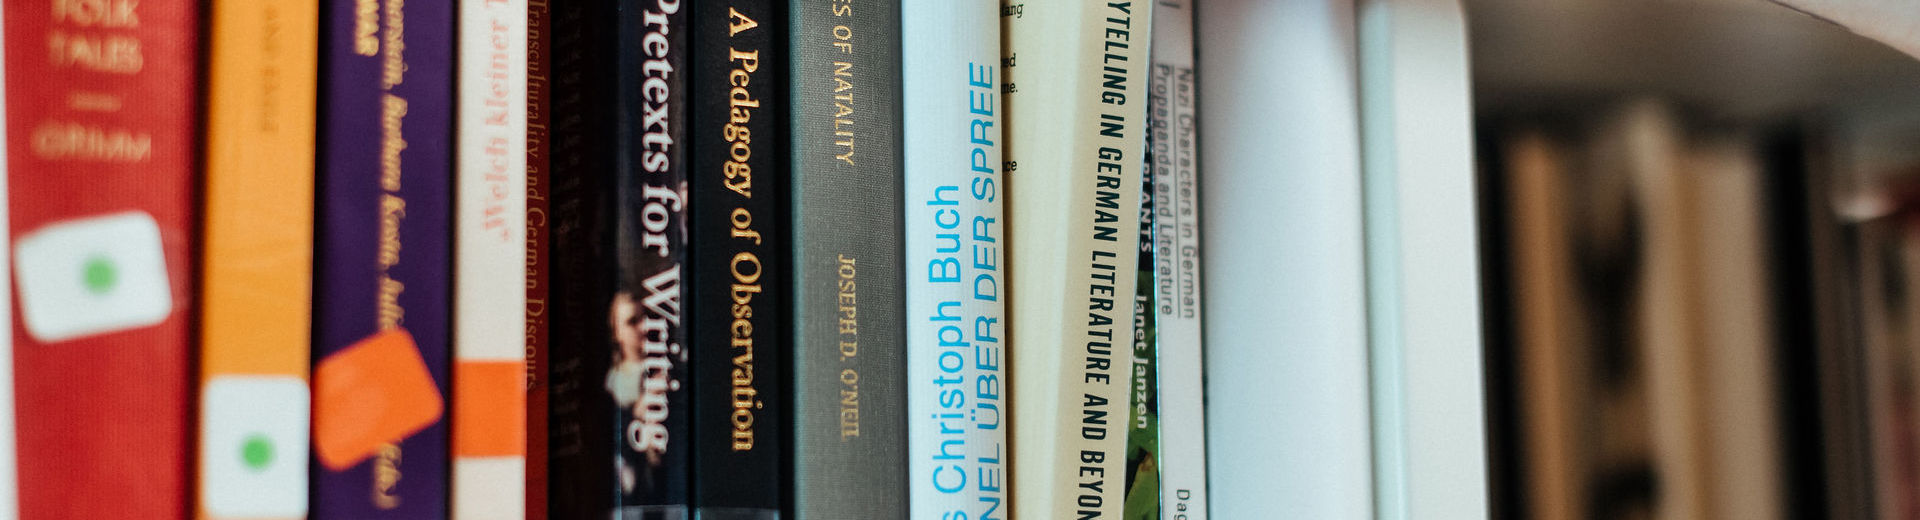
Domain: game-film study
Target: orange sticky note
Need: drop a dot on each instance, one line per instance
(375, 392)
(490, 412)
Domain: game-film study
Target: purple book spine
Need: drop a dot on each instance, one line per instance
(386, 90)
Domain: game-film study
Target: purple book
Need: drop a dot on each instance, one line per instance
(382, 261)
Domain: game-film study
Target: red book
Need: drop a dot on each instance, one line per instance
(537, 260)
(99, 155)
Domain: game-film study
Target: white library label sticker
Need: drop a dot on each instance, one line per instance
(253, 455)
(91, 276)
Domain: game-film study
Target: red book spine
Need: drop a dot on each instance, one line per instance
(100, 159)
(537, 260)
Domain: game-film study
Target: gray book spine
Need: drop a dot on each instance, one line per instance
(847, 237)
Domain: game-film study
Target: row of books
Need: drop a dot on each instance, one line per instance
(648, 259)
(825, 259)
(1645, 341)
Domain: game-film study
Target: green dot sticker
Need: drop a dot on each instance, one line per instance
(101, 275)
(257, 452)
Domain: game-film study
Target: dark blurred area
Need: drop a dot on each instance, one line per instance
(1701, 238)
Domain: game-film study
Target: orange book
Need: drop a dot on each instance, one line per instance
(256, 309)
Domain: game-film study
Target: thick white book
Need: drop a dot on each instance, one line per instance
(1286, 360)
(1423, 289)
(1177, 255)
(490, 221)
(956, 270)
(1076, 95)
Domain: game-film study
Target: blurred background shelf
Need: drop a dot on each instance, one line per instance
(1697, 237)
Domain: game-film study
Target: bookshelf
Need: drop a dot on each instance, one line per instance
(1740, 169)
(1564, 260)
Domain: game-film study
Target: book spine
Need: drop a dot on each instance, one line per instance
(735, 289)
(1422, 278)
(581, 434)
(1142, 488)
(489, 372)
(849, 350)
(620, 442)
(9, 476)
(1173, 142)
(955, 251)
(1303, 347)
(1073, 241)
(1544, 305)
(538, 243)
(100, 121)
(257, 267)
(382, 261)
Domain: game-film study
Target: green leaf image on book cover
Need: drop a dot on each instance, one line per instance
(1143, 424)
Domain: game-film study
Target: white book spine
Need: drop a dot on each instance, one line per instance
(489, 431)
(1286, 363)
(1422, 264)
(956, 235)
(1176, 273)
(1076, 94)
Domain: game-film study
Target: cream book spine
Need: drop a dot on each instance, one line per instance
(1076, 97)
(489, 372)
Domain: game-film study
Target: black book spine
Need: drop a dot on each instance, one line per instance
(735, 284)
(620, 443)
(847, 240)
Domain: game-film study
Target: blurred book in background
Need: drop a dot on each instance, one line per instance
(1694, 261)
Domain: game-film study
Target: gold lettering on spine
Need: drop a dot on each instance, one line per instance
(386, 476)
(843, 107)
(394, 64)
(393, 213)
(393, 209)
(740, 106)
(745, 265)
(847, 304)
(366, 27)
(392, 142)
(848, 311)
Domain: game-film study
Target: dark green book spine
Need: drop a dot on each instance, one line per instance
(737, 287)
(847, 237)
(1143, 418)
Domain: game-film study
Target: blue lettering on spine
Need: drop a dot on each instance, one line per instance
(968, 321)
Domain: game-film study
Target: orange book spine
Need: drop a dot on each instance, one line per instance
(257, 271)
